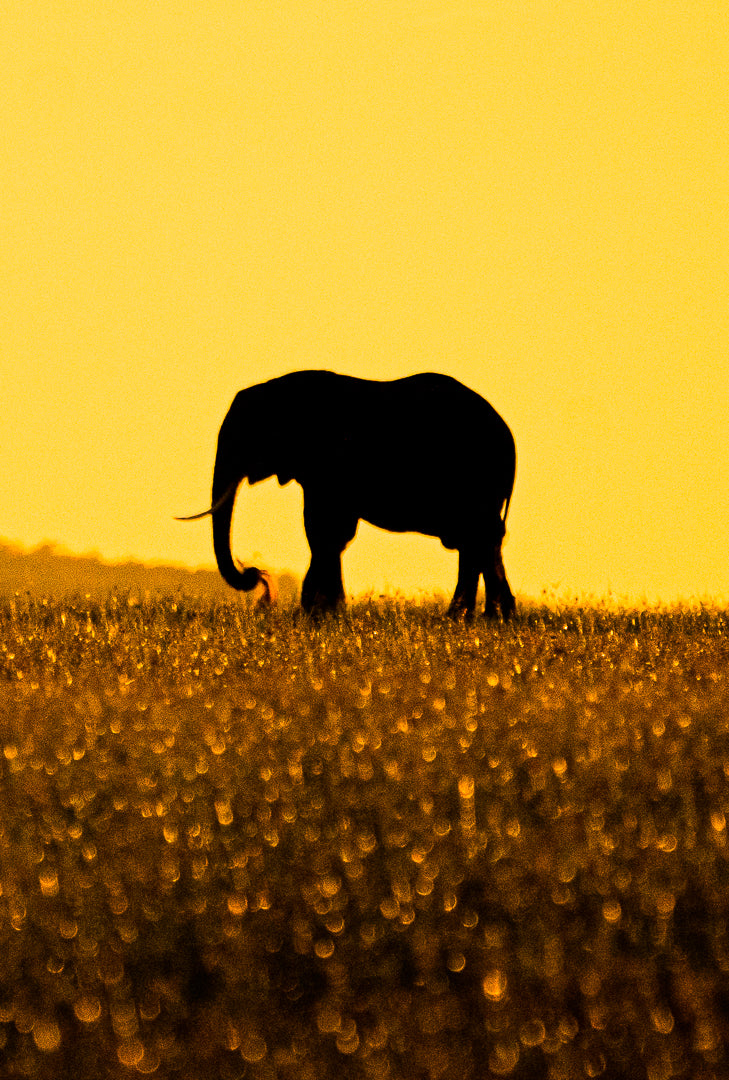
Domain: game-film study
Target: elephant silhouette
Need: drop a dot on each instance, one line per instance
(420, 454)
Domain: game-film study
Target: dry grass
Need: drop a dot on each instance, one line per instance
(391, 847)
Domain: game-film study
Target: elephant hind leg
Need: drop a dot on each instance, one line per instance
(469, 572)
(482, 555)
(499, 596)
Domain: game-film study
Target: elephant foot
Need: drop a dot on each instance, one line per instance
(507, 611)
(503, 608)
(461, 610)
(321, 608)
(507, 603)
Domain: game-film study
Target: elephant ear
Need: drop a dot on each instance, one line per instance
(298, 457)
(292, 427)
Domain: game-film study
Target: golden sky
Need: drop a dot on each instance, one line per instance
(531, 197)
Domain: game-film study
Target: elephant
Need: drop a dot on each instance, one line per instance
(418, 454)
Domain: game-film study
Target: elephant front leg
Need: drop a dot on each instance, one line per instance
(323, 589)
(328, 534)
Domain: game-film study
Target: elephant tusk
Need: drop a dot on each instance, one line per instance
(194, 517)
(216, 505)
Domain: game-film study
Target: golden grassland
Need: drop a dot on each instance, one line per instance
(390, 846)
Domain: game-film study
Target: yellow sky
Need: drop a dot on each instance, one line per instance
(531, 197)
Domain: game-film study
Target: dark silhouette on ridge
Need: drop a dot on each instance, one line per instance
(420, 454)
(47, 571)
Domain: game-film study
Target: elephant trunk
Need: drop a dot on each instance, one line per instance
(222, 518)
(224, 490)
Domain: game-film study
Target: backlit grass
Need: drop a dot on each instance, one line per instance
(389, 846)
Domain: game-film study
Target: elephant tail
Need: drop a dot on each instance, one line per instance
(510, 480)
(506, 509)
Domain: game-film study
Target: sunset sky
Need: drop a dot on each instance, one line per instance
(531, 197)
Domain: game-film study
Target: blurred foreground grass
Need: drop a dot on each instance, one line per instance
(391, 847)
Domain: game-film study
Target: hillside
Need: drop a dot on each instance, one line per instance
(48, 571)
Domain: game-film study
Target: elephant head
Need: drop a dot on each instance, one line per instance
(250, 447)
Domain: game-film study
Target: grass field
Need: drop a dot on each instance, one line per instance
(390, 847)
